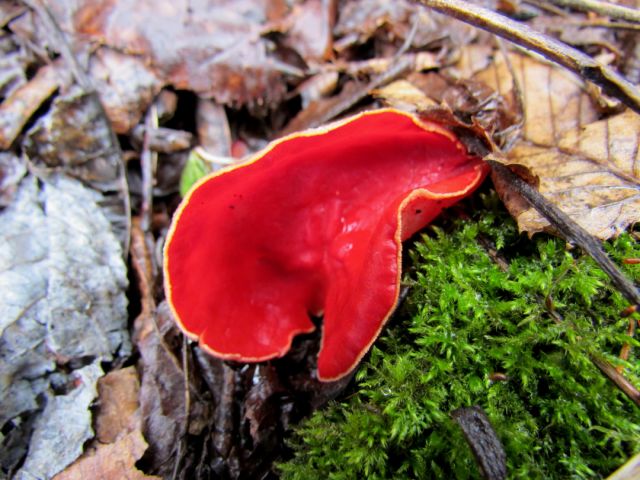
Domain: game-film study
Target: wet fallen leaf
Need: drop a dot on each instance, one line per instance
(73, 137)
(261, 404)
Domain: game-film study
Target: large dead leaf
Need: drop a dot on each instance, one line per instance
(214, 48)
(593, 175)
(312, 31)
(554, 100)
(63, 302)
(588, 168)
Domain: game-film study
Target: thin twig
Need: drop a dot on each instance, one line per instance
(410, 38)
(578, 62)
(148, 161)
(604, 9)
(483, 440)
(569, 229)
(187, 407)
(622, 383)
(603, 24)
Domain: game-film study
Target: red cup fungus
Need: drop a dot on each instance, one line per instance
(311, 225)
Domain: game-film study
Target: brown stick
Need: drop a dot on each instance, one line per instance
(148, 161)
(622, 383)
(483, 440)
(570, 230)
(611, 82)
(604, 9)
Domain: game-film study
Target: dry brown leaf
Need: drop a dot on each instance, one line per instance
(404, 95)
(554, 100)
(119, 442)
(118, 404)
(111, 461)
(593, 175)
(472, 59)
(214, 134)
(588, 168)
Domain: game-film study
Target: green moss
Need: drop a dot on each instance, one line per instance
(465, 318)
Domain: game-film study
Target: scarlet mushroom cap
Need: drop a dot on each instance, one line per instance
(313, 224)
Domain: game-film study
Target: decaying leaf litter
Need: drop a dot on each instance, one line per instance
(100, 109)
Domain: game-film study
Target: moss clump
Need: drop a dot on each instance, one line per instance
(465, 318)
